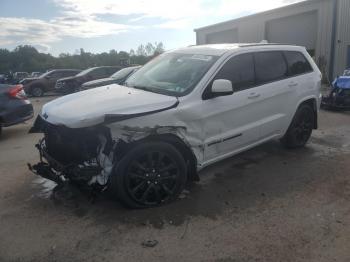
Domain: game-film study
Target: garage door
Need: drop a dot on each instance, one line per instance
(227, 36)
(297, 29)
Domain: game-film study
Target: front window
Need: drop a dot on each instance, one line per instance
(172, 73)
(123, 73)
(86, 71)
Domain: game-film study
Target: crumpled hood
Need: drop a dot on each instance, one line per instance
(98, 82)
(90, 107)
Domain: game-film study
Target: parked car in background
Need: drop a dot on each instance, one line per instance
(339, 95)
(182, 111)
(2, 78)
(346, 72)
(73, 84)
(35, 74)
(15, 107)
(117, 78)
(37, 86)
(18, 76)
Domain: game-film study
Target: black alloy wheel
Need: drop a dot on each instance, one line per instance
(301, 127)
(150, 174)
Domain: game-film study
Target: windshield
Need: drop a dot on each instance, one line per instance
(86, 71)
(172, 73)
(123, 73)
(45, 74)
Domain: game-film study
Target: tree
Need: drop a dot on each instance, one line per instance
(27, 58)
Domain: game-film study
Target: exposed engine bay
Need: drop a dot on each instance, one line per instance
(85, 156)
(82, 155)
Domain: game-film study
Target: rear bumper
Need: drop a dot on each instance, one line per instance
(17, 114)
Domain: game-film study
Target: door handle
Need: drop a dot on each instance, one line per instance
(253, 95)
(292, 84)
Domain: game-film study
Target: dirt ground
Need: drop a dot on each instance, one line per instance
(267, 204)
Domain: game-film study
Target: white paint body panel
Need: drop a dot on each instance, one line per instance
(197, 122)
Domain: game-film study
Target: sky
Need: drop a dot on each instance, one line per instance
(65, 26)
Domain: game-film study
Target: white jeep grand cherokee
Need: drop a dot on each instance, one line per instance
(184, 110)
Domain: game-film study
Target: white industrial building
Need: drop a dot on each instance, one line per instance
(322, 26)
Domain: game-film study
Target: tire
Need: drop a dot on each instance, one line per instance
(301, 127)
(37, 91)
(150, 174)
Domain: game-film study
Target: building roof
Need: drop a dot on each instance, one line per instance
(259, 14)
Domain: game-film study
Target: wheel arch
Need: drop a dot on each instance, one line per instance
(34, 85)
(175, 141)
(311, 101)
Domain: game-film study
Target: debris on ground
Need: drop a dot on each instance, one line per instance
(149, 243)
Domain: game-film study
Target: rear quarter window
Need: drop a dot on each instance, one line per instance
(297, 63)
(270, 66)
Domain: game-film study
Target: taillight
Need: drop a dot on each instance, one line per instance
(17, 91)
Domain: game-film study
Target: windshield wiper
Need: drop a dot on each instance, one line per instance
(145, 88)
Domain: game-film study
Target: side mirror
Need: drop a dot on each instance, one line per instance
(221, 87)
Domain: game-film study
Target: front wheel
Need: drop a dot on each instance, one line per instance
(37, 91)
(150, 174)
(301, 127)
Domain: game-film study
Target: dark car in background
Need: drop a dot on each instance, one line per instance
(18, 76)
(73, 84)
(2, 78)
(37, 86)
(117, 78)
(15, 107)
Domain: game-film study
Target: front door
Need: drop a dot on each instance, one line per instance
(231, 122)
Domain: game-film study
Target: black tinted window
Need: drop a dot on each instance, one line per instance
(99, 72)
(270, 66)
(297, 63)
(240, 71)
(56, 74)
(69, 73)
(112, 70)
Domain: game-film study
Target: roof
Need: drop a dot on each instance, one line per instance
(258, 14)
(220, 49)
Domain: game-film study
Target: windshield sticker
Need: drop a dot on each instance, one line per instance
(206, 58)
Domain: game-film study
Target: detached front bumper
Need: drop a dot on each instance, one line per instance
(81, 155)
(47, 167)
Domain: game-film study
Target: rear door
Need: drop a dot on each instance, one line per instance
(276, 92)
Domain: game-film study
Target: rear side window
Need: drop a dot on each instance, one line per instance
(297, 63)
(99, 72)
(112, 70)
(240, 71)
(270, 66)
(69, 73)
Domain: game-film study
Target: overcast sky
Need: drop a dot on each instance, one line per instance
(57, 26)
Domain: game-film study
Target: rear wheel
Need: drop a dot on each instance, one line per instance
(37, 91)
(301, 127)
(150, 174)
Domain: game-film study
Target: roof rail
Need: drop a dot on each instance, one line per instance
(263, 44)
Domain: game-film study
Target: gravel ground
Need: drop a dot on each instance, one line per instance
(267, 204)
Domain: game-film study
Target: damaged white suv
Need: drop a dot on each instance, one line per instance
(184, 110)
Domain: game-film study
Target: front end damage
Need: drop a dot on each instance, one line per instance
(86, 156)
